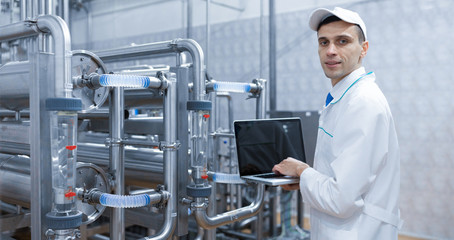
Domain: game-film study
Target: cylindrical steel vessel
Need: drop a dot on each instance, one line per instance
(14, 85)
(15, 179)
(15, 171)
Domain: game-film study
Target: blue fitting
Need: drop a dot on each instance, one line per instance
(63, 104)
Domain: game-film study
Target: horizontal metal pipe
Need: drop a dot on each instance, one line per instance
(220, 134)
(148, 49)
(9, 208)
(164, 48)
(207, 222)
(17, 30)
(238, 234)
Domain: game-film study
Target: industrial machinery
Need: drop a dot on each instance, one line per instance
(87, 150)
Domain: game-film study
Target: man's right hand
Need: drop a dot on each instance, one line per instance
(290, 167)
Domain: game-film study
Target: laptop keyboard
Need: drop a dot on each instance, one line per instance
(269, 175)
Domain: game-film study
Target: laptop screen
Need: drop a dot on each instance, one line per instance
(263, 143)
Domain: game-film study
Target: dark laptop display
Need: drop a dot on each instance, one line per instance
(263, 143)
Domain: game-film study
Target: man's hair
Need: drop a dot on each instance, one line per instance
(333, 18)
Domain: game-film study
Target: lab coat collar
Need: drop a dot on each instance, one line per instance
(339, 90)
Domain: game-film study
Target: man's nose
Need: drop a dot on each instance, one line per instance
(331, 50)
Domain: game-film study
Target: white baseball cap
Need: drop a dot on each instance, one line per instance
(320, 14)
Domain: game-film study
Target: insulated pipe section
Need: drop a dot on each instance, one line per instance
(123, 201)
(96, 81)
(203, 220)
(57, 27)
(236, 87)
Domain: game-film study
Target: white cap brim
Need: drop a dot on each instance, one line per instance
(320, 14)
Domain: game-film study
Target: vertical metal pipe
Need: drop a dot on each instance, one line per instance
(260, 114)
(117, 224)
(89, 26)
(31, 6)
(35, 148)
(261, 100)
(49, 10)
(41, 7)
(17, 116)
(49, 7)
(66, 11)
(273, 205)
(23, 10)
(208, 33)
(212, 161)
(189, 27)
(170, 162)
(262, 41)
(42, 84)
(300, 211)
(11, 7)
(273, 74)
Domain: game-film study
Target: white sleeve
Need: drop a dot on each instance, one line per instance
(359, 145)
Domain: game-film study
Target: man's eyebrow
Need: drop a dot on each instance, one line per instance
(344, 35)
(336, 37)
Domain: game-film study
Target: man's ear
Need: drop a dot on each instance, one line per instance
(365, 47)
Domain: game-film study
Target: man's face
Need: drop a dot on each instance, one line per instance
(339, 49)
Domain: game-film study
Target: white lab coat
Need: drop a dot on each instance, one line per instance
(353, 189)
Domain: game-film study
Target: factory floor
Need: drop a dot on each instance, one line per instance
(24, 234)
(307, 226)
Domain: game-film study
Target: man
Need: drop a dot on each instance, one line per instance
(353, 189)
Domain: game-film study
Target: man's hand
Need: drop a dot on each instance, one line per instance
(290, 167)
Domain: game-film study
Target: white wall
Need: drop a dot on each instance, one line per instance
(119, 18)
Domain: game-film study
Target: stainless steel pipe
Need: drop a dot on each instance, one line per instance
(116, 166)
(18, 30)
(170, 162)
(159, 49)
(57, 27)
(207, 222)
(261, 100)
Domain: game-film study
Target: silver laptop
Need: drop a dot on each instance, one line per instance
(263, 143)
